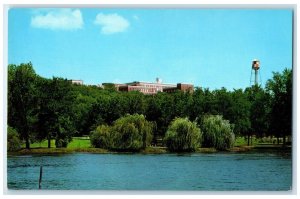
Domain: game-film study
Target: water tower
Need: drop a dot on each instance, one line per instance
(255, 69)
(158, 80)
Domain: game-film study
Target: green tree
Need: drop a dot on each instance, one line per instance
(222, 103)
(22, 99)
(98, 112)
(55, 117)
(240, 113)
(135, 102)
(81, 109)
(109, 86)
(182, 100)
(167, 106)
(259, 111)
(183, 135)
(196, 109)
(153, 113)
(101, 137)
(13, 140)
(131, 133)
(280, 90)
(217, 132)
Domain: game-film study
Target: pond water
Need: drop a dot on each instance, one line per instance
(251, 171)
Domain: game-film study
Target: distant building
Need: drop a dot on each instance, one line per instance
(80, 82)
(181, 87)
(154, 87)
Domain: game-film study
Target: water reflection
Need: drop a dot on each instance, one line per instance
(264, 170)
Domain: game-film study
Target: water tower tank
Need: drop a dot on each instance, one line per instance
(255, 64)
(255, 68)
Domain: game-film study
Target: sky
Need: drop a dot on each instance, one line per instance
(210, 48)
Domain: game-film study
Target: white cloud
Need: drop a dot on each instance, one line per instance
(58, 19)
(111, 23)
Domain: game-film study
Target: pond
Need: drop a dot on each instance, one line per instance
(249, 171)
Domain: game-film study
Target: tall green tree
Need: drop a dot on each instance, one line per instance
(55, 118)
(259, 110)
(81, 108)
(223, 103)
(196, 105)
(153, 113)
(280, 90)
(98, 113)
(22, 99)
(167, 106)
(240, 113)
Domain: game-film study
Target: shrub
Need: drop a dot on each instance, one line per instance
(131, 133)
(100, 137)
(13, 141)
(183, 135)
(217, 132)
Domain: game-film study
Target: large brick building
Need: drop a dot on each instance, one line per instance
(154, 87)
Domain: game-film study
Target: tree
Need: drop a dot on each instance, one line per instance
(22, 99)
(13, 140)
(183, 135)
(167, 106)
(98, 112)
(101, 137)
(222, 103)
(182, 100)
(55, 117)
(240, 113)
(135, 102)
(280, 90)
(46, 122)
(153, 113)
(259, 110)
(131, 133)
(109, 86)
(196, 109)
(81, 109)
(217, 132)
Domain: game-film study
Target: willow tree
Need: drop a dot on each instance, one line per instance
(183, 135)
(131, 133)
(101, 137)
(217, 132)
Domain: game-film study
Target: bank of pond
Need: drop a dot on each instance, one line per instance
(148, 150)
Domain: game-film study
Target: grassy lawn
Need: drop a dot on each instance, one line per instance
(42, 144)
(241, 141)
(77, 142)
(84, 142)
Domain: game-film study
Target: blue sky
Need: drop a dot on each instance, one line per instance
(210, 48)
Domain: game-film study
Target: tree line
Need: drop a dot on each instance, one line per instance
(43, 109)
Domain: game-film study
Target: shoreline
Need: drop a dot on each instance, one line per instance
(148, 150)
